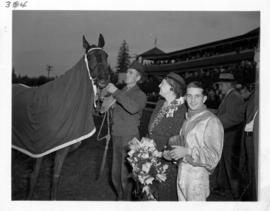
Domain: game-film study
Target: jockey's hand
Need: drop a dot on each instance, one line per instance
(166, 155)
(111, 88)
(179, 152)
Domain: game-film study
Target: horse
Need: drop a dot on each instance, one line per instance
(58, 115)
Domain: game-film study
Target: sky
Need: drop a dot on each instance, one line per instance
(55, 37)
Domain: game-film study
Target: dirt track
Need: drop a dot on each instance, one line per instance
(78, 179)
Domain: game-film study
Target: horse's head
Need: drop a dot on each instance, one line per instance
(97, 62)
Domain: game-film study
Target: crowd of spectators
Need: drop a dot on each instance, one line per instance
(213, 94)
(205, 53)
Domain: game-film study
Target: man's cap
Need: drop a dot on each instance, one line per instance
(137, 66)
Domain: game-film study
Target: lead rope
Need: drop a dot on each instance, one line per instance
(107, 114)
(107, 137)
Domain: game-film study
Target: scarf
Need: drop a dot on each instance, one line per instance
(167, 111)
(191, 113)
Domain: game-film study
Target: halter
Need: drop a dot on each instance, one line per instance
(90, 77)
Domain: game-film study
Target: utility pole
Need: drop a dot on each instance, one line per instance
(49, 69)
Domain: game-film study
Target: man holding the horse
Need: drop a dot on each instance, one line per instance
(127, 111)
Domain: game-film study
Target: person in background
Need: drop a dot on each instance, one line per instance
(126, 114)
(165, 122)
(212, 101)
(245, 93)
(202, 134)
(251, 139)
(231, 114)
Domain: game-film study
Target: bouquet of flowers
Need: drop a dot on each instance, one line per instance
(146, 166)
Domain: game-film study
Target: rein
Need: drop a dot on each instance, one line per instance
(107, 137)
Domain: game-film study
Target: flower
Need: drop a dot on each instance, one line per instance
(173, 107)
(161, 177)
(157, 154)
(149, 180)
(146, 167)
(146, 155)
(134, 144)
(131, 152)
(144, 159)
(165, 167)
(147, 191)
(166, 111)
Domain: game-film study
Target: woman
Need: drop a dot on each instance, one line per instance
(165, 122)
(203, 135)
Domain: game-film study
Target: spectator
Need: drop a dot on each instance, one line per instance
(245, 93)
(231, 114)
(212, 101)
(251, 138)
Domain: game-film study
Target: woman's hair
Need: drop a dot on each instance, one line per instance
(176, 87)
(197, 84)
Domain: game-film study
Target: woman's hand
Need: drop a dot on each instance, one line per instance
(178, 152)
(174, 140)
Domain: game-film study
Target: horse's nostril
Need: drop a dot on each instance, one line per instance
(102, 83)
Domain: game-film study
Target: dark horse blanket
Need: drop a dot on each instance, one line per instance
(54, 115)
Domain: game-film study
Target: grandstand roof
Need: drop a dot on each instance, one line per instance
(254, 32)
(156, 55)
(152, 52)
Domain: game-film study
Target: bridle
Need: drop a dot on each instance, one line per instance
(93, 80)
(87, 64)
(106, 115)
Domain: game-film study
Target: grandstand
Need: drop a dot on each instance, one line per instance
(206, 61)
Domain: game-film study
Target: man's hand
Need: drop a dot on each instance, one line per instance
(104, 93)
(178, 152)
(111, 88)
(107, 103)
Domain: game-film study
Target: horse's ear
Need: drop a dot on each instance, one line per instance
(101, 41)
(86, 45)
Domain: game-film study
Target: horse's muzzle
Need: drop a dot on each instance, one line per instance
(102, 83)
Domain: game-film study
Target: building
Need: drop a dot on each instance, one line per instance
(206, 61)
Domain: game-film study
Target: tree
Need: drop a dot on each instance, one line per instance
(123, 58)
